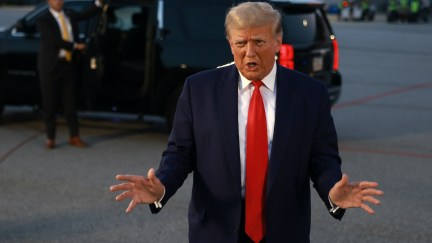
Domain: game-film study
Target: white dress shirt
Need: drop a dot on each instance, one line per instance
(268, 93)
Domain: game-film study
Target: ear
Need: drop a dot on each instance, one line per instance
(278, 43)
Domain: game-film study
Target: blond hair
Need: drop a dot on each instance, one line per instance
(253, 14)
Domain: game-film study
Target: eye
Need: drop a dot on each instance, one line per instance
(240, 43)
(259, 42)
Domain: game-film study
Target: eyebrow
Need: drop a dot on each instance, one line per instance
(253, 38)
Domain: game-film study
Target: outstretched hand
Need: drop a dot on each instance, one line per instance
(139, 189)
(79, 46)
(355, 194)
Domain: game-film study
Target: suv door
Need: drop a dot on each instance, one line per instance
(19, 62)
(121, 56)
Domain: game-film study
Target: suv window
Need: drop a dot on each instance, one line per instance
(304, 27)
(214, 28)
(193, 28)
(184, 25)
(122, 17)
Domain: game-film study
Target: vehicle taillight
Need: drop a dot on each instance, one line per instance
(345, 4)
(335, 53)
(286, 56)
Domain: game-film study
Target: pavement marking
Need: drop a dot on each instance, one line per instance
(381, 95)
(18, 146)
(385, 152)
(375, 97)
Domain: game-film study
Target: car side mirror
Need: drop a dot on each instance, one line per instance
(23, 26)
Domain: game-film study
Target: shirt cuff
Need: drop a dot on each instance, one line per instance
(333, 208)
(158, 203)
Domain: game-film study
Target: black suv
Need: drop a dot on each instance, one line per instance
(309, 44)
(140, 52)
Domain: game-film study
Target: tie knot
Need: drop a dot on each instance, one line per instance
(257, 83)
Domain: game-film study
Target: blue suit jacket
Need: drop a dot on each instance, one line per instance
(204, 140)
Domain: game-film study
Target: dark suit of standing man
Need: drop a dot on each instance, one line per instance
(57, 69)
(209, 137)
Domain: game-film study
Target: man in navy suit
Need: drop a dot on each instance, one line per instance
(56, 64)
(209, 139)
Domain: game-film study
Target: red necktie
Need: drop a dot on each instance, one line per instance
(256, 165)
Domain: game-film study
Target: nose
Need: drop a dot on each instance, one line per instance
(250, 50)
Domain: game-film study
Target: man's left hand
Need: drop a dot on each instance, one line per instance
(355, 194)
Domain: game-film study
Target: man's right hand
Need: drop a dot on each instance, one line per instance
(355, 195)
(139, 189)
(79, 46)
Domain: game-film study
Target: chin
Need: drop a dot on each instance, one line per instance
(251, 75)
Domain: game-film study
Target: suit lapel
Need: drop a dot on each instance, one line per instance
(284, 123)
(53, 21)
(228, 113)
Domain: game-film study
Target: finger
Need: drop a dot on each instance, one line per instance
(124, 195)
(151, 174)
(130, 178)
(121, 187)
(373, 192)
(371, 200)
(366, 208)
(152, 177)
(367, 184)
(131, 206)
(343, 182)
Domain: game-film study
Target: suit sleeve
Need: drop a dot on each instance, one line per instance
(325, 159)
(178, 160)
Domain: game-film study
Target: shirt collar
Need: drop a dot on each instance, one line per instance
(269, 80)
(55, 13)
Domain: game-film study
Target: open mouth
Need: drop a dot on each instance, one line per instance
(251, 64)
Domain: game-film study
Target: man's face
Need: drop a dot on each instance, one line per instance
(57, 5)
(254, 50)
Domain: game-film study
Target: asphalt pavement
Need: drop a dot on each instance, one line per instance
(384, 123)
